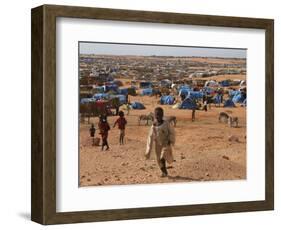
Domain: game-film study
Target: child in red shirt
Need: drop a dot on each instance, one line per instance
(121, 122)
(104, 128)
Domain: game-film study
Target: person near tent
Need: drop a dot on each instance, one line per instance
(183, 96)
(193, 109)
(220, 96)
(128, 108)
(121, 122)
(92, 131)
(162, 135)
(205, 102)
(205, 106)
(104, 128)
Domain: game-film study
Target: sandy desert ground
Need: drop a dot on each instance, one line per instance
(202, 151)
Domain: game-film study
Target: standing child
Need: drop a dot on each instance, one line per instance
(104, 128)
(121, 121)
(163, 134)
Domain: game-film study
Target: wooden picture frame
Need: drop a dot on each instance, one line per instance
(43, 189)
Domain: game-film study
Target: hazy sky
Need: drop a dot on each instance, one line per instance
(149, 50)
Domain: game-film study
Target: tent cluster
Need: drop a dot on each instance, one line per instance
(145, 84)
(110, 91)
(238, 96)
(188, 103)
(167, 100)
(147, 92)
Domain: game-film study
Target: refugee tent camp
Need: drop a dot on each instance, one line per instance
(167, 100)
(145, 84)
(147, 91)
(188, 103)
(122, 98)
(208, 90)
(228, 103)
(100, 96)
(225, 83)
(118, 82)
(127, 91)
(137, 105)
(237, 96)
(123, 91)
(87, 100)
(98, 89)
(217, 99)
(112, 87)
(184, 90)
(195, 94)
(211, 83)
(132, 91)
(166, 83)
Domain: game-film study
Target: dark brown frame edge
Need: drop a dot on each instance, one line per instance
(43, 125)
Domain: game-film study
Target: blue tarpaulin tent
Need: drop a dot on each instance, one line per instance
(195, 94)
(145, 84)
(167, 100)
(87, 100)
(112, 87)
(147, 91)
(237, 96)
(188, 103)
(218, 99)
(99, 89)
(122, 98)
(184, 91)
(99, 96)
(123, 91)
(184, 87)
(137, 105)
(233, 93)
(225, 83)
(208, 90)
(229, 103)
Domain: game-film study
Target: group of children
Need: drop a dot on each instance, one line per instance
(161, 134)
(104, 129)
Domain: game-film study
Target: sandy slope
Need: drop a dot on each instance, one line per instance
(202, 151)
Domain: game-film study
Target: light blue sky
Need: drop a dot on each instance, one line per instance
(149, 50)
